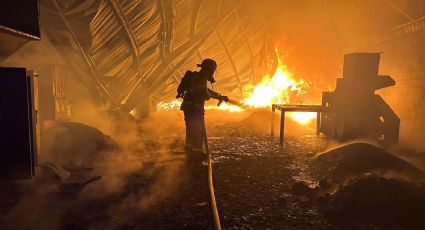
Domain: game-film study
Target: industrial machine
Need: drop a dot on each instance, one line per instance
(18, 123)
(353, 110)
(19, 24)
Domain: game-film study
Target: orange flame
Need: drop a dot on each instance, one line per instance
(272, 90)
(281, 88)
(175, 105)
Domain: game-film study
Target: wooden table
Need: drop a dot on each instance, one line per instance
(293, 108)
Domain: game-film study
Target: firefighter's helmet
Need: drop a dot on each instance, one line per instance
(208, 64)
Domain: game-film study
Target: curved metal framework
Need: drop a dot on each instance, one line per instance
(141, 48)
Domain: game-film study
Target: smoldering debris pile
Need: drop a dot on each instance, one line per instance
(356, 159)
(376, 201)
(75, 144)
(370, 187)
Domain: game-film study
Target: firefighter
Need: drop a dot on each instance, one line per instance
(194, 91)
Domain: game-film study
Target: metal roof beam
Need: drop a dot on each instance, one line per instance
(86, 57)
(232, 62)
(249, 47)
(130, 35)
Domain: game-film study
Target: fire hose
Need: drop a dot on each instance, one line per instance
(214, 210)
(213, 203)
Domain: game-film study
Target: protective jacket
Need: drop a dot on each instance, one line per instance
(194, 88)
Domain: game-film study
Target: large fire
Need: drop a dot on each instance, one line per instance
(274, 90)
(175, 104)
(281, 88)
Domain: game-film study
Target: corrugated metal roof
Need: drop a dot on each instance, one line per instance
(131, 49)
(141, 48)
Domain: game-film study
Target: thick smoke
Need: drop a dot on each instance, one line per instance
(144, 156)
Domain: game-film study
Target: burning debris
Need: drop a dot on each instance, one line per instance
(281, 88)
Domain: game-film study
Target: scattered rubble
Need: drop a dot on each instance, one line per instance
(258, 183)
(255, 183)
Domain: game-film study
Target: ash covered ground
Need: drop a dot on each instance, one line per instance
(146, 182)
(254, 178)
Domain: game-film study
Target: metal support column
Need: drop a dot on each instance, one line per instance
(272, 121)
(318, 123)
(282, 126)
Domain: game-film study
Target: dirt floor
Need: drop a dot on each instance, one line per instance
(259, 184)
(254, 177)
